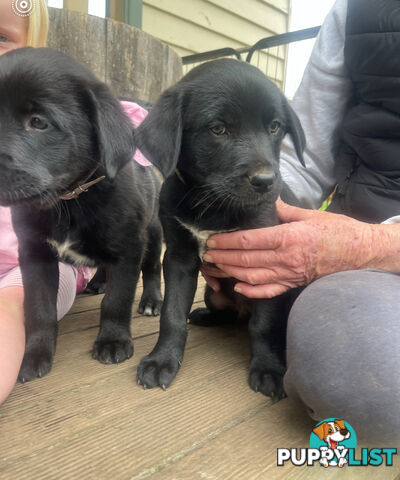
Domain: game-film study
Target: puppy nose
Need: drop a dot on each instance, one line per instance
(262, 181)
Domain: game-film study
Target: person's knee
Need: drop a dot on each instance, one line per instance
(342, 352)
(370, 410)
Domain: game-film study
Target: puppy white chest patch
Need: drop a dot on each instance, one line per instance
(66, 252)
(200, 235)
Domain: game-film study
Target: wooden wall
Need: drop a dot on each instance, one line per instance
(135, 64)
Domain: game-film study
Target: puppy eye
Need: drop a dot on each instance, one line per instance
(218, 130)
(330, 430)
(38, 123)
(274, 126)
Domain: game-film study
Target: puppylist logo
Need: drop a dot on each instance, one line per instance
(334, 439)
(23, 8)
(333, 443)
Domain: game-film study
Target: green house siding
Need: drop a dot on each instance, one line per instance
(194, 26)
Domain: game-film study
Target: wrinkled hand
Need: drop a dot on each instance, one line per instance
(308, 245)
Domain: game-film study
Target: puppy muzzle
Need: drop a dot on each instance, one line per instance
(262, 182)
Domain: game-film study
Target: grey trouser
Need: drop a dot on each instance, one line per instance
(343, 352)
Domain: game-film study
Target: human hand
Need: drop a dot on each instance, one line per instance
(308, 245)
(211, 273)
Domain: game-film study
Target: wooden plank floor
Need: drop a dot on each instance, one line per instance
(90, 421)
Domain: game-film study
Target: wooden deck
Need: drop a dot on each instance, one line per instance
(90, 421)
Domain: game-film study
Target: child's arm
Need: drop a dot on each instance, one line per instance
(12, 337)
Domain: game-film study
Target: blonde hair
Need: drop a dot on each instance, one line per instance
(38, 25)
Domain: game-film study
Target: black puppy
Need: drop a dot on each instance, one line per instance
(216, 136)
(65, 158)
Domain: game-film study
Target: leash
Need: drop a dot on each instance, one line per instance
(82, 187)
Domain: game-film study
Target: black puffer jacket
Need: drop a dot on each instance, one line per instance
(369, 159)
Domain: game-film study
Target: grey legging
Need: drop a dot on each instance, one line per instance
(343, 352)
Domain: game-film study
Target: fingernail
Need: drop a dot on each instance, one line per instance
(211, 243)
(207, 258)
(237, 289)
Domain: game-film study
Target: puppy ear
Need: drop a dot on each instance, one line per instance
(296, 131)
(159, 136)
(114, 130)
(320, 431)
(340, 423)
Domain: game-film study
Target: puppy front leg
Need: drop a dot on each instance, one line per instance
(162, 364)
(267, 328)
(151, 301)
(114, 342)
(40, 275)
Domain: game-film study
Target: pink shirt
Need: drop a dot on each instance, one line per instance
(8, 242)
(8, 239)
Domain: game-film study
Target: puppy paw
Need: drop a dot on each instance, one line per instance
(95, 288)
(157, 370)
(37, 362)
(150, 306)
(204, 317)
(267, 382)
(98, 283)
(112, 351)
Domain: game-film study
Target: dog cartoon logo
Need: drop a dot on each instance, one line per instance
(333, 437)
